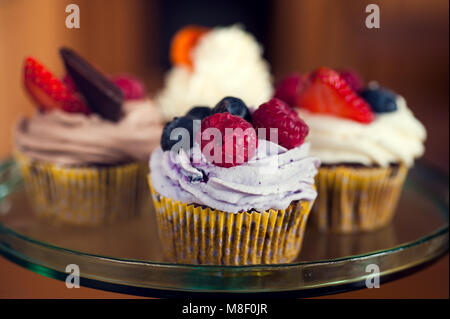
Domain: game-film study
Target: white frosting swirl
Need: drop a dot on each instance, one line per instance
(395, 137)
(227, 62)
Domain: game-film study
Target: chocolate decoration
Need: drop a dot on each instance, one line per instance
(101, 94)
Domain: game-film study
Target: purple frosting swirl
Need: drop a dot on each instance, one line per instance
(272, 179)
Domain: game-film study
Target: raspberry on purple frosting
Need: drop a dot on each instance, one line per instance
(238, 146)
(275, 113)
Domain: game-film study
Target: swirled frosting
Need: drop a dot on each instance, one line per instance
(76, 139)
(272, 179)
(395, 137)
(227, 62)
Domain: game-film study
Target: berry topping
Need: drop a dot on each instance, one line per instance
(234, 106)
(69, 83)
(381, 100)
(132, 88)
(289, 88)
(326, 92)
(353, 79)
(48, 91)
(236, 143)
(199, 112)
(277, 114)
(183, 42)
(178, 122)
(101, 94)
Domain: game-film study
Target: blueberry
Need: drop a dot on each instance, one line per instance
(178, 122)
(235, 106)
(381, 100)
(197, 178)
(199, 112)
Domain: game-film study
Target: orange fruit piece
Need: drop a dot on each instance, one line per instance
(183, 42)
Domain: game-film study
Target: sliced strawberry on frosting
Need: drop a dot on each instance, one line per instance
(49, 92)
(327, 92)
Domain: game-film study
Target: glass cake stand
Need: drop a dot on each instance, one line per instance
(126, 257)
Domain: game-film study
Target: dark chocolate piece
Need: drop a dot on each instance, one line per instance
(101, 94)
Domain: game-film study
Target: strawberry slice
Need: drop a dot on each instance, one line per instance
(49, 92)
(327, 92)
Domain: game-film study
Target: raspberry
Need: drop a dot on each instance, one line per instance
(237, 146)
(353, 79)
(132, 88)
(289, 88)
(277, 114)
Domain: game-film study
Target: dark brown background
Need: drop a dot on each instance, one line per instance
(409, 53)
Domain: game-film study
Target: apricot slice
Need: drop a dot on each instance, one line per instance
(183, 42)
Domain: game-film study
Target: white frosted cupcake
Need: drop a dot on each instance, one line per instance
(366, 139)
(209, 64)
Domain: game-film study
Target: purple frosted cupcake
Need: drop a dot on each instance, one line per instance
(217, 210)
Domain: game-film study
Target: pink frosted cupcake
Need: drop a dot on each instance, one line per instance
(83, 153)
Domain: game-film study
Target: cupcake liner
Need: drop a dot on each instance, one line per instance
(193, 234)
(88, 196)
(352, 199)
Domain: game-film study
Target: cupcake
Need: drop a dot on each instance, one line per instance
(83, 154)
(233, 195)
(209, 64)
(366, 138)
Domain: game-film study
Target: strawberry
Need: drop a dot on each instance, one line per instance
(49, 92)
(69, 83)
(327, 92)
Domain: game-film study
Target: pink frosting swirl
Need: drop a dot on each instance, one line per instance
(76, 139)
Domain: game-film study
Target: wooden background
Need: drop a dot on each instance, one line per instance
(409, 53)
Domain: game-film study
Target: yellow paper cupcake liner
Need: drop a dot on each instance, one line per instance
(353, 199)
(88, 196)
(193, 234)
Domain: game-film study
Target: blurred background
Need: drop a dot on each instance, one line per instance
(409, 53)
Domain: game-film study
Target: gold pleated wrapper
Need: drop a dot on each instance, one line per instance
(356, 199)
(85, 196)
(193, 234)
